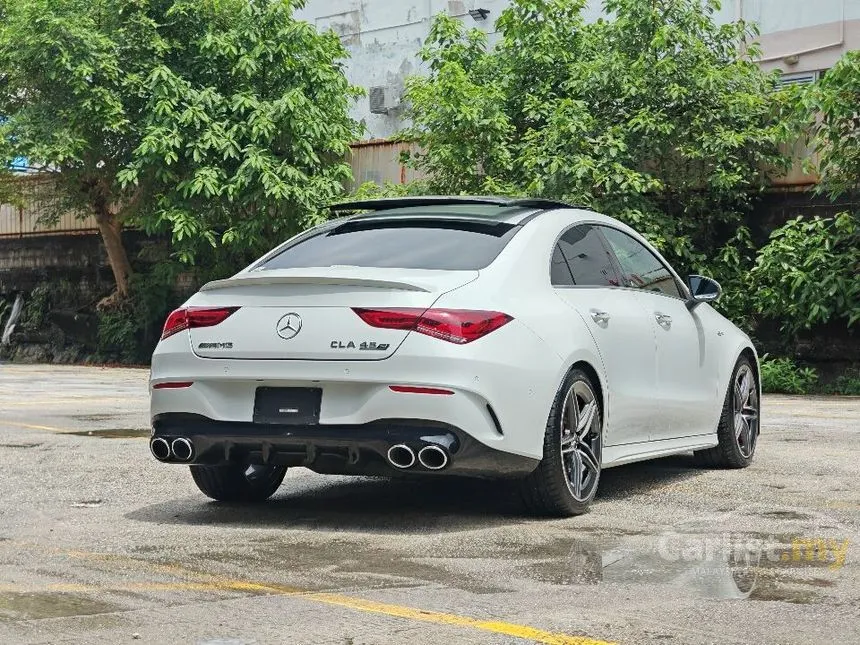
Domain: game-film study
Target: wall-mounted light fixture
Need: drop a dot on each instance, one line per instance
(479, 14)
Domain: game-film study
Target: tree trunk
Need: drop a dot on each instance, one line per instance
(110, 229)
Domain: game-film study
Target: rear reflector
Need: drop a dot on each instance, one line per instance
(172, 385)
(193, 317)
(414, 389)
(458, 326)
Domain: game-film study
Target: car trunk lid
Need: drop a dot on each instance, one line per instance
(307, 313)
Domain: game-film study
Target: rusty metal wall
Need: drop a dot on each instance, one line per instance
(379, 162)
(37, 202)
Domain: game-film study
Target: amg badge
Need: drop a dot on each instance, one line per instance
(215, 346)
(363, 346)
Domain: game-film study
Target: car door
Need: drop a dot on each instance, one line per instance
(586, 278)
(686, 369)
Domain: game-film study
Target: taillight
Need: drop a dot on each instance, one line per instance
(458, 326)
(193, 317)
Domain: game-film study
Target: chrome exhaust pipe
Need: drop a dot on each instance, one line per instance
(160, 449)
(433, 457)
(182, 449)
(401, 456)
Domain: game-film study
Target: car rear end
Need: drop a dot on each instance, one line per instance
(368, 348)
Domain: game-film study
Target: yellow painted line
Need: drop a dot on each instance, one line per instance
(496, 627)
(33, 426)
(213, 582)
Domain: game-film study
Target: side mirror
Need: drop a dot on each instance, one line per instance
(703, 289)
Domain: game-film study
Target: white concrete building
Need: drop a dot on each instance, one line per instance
(800, 37)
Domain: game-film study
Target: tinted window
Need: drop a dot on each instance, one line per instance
(559, 271)
(587, 258)
(641, 267)
(403, 244)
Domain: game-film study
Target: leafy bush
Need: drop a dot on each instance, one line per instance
(128, 332)
(783, 376)
(847, 384)
(808, 273)
(829, 108)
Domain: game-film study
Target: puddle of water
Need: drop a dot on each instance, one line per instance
(743, 567)
(21, 445)
(114, 433)
(785, 515)
(336, 564)
(25, 606)
(94, 417)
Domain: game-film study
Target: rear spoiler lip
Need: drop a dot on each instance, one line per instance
(262, 279)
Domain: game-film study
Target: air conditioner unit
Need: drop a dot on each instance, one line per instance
(384, 99)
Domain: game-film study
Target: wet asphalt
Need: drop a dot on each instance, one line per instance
(99, 543)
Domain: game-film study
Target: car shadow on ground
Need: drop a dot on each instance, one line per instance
(437, 504)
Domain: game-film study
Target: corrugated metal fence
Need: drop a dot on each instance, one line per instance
(379, 161)
(38, 212)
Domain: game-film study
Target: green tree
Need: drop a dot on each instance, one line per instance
(832, 123)
(221, 122)
(807, 273)
(656, 115)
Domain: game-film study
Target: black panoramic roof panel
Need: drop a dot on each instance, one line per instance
(512, 210)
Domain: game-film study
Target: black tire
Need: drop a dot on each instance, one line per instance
(547, 490)
(731, 452)
(235, 483)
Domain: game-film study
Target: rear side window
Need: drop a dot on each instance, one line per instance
(642, 269)
(588, 261)
(403, 244)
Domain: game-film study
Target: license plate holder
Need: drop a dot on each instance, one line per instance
(287, 405)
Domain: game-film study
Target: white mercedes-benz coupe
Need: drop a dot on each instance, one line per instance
(479, 336)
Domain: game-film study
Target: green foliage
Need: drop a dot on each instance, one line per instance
(129, 332)
(807, 274)
(847, 384)
(830, 110)
(783, 376)
(370, 190)
(220, 122)
(656, 115)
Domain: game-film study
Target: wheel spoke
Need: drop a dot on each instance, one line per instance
(571, 412)
(586, 419)
(589, 459)
(739, 396)
(568, 444)
(747, 387)
(576, 473)
(740, 425)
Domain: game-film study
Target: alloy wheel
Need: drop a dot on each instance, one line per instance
(581, 441)
(745, 406)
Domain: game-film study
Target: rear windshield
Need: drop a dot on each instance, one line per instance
(403, 244)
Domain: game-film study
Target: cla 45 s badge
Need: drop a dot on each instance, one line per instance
(368, 346)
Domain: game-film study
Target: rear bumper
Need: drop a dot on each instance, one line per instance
(502, 385)
(335, 449)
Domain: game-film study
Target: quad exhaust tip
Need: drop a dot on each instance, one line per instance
(160, 449)
(182, 449)
(433, 457)
(401, 456)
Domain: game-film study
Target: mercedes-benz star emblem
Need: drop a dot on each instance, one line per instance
(289, 325)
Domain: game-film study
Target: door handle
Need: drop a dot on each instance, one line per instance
(600, 317)
(663, 319)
